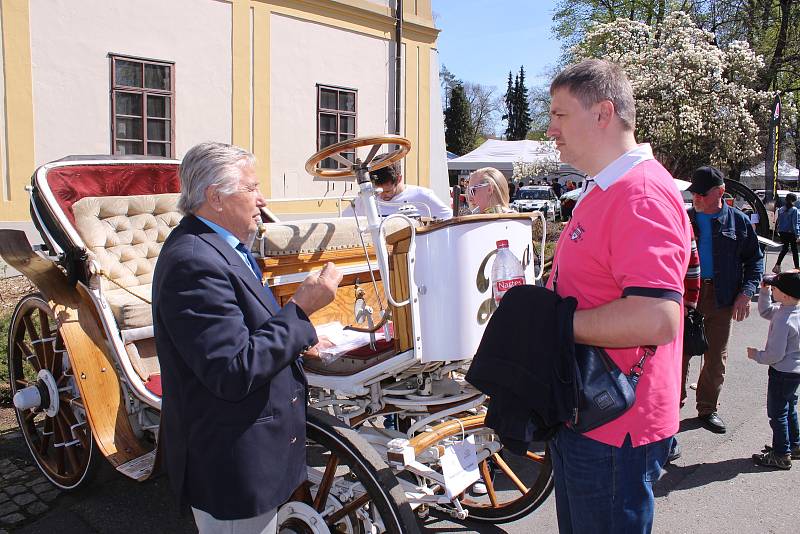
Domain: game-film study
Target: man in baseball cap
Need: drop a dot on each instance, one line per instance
(730, 269)
(704, 178)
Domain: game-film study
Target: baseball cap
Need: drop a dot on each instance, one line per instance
(704, 179)
(788, 282)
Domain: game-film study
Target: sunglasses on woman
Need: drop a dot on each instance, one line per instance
(471, 189)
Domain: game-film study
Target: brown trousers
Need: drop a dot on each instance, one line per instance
(718, 331)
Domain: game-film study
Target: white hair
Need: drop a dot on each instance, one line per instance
(210, 164)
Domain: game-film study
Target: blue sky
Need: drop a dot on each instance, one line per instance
(482, 40)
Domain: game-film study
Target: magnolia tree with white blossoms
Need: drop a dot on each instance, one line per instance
(693, 100)
(545, 164)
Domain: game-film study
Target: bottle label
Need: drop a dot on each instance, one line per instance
(501, 286)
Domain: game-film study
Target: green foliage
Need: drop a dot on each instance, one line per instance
(459, 133)
(771, 28)
(517, 108)
(693, 103)
(447, 80)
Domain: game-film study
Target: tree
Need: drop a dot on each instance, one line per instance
(692, 97)
(447, 80)
(539, 102)
(517, 107)
(546, 164)
(770, 27)
(510, 115)
(522, 114)
(484, 107)
(458, 132)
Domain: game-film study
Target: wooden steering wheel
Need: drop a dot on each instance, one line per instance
(371, 163)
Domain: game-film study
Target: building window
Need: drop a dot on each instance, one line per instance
(142, 106)
(336, 120)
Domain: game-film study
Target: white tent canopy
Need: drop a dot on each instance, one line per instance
(786, 173)
(503, 154)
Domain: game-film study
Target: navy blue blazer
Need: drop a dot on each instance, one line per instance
(234, 394)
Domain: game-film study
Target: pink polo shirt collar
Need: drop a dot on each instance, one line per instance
(617, 168)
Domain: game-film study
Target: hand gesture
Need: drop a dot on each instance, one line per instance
(741, 307)
(752, 352)
(322, 344)
(318, 289)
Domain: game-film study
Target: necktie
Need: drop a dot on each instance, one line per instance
(257, 271)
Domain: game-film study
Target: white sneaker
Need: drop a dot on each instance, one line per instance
(776, 269)
(479, 488)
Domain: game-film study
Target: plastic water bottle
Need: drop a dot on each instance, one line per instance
(507, 271)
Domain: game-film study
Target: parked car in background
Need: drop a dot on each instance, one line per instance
(537, 198)
(781, 197)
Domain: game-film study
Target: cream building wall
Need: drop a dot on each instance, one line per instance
(245, 72)
(70, 44)
(329, 56)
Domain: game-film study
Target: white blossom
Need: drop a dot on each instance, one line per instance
(693, 103)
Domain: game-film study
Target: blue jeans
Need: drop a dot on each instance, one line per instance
(782, 410)
(605, 489)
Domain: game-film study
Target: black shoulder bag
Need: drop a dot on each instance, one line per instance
(603, 391)
(694, 333)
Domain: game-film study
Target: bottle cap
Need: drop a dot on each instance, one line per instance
(503, 243)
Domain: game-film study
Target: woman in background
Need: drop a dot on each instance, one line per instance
(487, 191)
(788, 228)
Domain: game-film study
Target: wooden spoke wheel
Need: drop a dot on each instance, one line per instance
(373, 161)
(510, 486)
(514, 485)
(55, 429)
(350, 489)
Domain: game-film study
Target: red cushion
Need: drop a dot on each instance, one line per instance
(381, 345)
(153, 384)
(69, 184)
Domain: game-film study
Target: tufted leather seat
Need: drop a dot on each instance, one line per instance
(124, 235)
(318, 235)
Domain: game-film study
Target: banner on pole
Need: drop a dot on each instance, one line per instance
(771, 163)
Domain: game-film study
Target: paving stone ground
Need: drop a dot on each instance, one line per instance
(25, 494)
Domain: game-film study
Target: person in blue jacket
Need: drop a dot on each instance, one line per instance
(788, 226)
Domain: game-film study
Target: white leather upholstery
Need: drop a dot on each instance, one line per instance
(125, 234)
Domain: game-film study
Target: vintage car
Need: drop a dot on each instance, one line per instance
(537, 198)
(86, 378)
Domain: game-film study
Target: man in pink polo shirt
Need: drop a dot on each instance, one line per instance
(623, 256)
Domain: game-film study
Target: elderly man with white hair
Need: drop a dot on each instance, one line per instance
(234, 404)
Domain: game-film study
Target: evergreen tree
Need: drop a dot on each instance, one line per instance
(509, 115)
(458, 133)
(522, 115)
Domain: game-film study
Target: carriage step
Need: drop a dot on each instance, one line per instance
(139, 468)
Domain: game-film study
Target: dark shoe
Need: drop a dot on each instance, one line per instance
(795, 454)
(770, 459)
(674, 452)
(713, 422)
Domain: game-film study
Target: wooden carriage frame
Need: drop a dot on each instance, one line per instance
(68, 342)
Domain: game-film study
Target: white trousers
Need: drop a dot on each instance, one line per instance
(262, 524)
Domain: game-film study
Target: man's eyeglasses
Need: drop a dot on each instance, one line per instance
(471, 189)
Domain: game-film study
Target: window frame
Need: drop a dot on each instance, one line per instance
(339, 114)
(144, 92)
